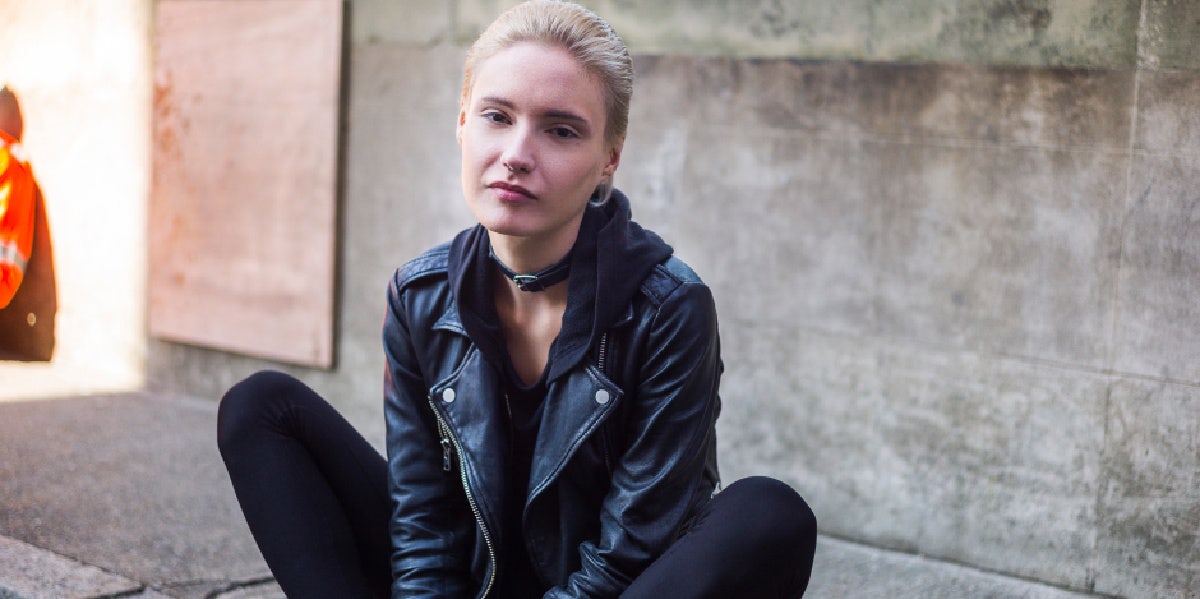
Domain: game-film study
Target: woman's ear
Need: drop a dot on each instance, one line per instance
(462, 120)
(614, 158)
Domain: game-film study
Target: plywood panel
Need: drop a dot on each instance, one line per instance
(243, 214)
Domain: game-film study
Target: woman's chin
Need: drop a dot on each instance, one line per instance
(498, 219)
(508, 226)
(514, 232)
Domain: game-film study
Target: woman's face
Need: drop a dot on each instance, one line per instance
(533, 147)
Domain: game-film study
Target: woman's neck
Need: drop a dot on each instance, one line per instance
(530, 254)
(531, 320)
(525, 257)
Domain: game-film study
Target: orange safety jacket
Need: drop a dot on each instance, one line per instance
(18, 202)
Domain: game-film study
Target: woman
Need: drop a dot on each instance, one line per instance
(549, 434)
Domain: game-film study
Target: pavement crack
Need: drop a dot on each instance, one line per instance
(127, 593)
(239, 584)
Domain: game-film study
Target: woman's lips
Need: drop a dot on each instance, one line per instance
(507, 192)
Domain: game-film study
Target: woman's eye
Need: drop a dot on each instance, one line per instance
(563, 132)
(495, 116)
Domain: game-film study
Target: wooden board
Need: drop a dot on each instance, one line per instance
(243, 214)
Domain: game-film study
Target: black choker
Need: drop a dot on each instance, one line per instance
(540, 280)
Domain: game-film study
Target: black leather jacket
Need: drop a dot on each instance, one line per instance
(625, 456)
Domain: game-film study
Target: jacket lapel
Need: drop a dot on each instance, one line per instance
(468, 402)
(576, 405)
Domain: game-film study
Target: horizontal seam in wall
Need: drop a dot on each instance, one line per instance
(935, 142)
(951, 349)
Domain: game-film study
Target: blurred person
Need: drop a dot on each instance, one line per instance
(18, 199)
(551, 382)
(28, 287)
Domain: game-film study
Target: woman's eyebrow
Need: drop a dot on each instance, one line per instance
(497, 100)
(562, 115)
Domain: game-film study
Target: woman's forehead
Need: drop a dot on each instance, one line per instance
(537, 76)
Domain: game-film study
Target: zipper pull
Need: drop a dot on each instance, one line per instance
(445, 454)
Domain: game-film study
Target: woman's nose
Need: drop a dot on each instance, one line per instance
(518, 151)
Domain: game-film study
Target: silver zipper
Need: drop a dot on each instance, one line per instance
(446, 463)
(444, 429)
(600, 355)
(603, 351)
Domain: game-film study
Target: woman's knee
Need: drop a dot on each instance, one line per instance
(776, 513)
(248, 405)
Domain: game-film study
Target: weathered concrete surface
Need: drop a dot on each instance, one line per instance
(415, 22)
(952, 455)
(1168, 34)
(922, 267)
(1160, 268)
(929, 348)
(1150, 517)
(1167, 121)
(844, 570)
(27, 572)
(1161, 251)
(893, 203)
(1096, 33)
(946, 104)
(129, 484)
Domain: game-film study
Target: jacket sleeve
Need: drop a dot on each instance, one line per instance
(661, 475)
(430, 555)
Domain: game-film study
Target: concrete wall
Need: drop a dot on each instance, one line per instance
(953, 245)
(82, 72)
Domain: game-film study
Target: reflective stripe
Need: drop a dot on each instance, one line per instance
(16, 149)
(10, 254)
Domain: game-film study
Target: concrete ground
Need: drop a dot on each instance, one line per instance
(126, 496)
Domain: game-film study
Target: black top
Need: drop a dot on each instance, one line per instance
(524, 404)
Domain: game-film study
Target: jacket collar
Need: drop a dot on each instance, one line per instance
(450, 319)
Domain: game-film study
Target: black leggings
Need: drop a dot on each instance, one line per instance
(314, 493)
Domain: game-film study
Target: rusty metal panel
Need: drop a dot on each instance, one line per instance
(243, 214)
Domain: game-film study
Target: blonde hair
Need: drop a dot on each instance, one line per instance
(574, 28)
